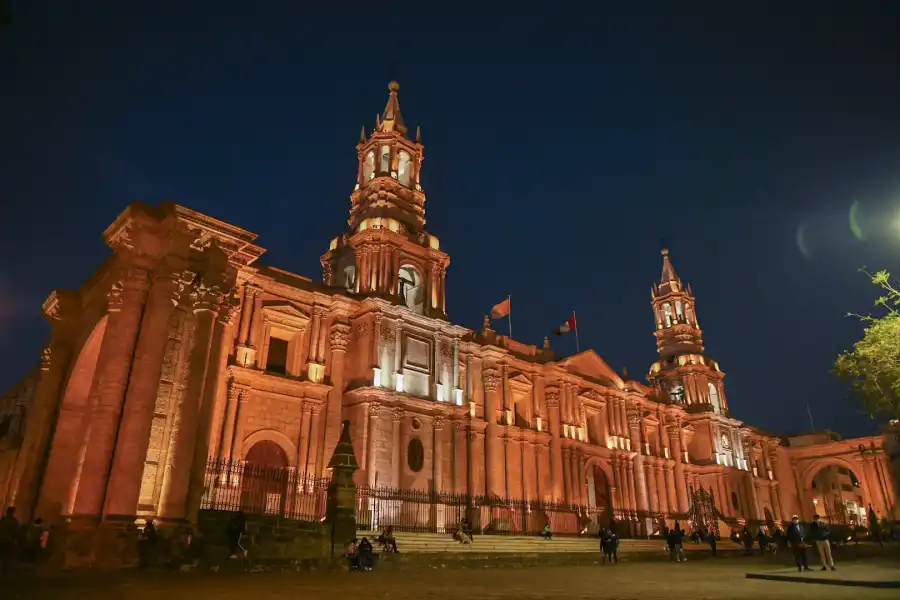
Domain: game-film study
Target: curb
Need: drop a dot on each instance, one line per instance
(821, 581)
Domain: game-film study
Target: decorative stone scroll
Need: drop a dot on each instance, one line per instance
(491, 380)
(552, 396)
(340, 337)
(46, 358)
(398, 414)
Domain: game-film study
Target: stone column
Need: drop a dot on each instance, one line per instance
(395, 447)
(537, 450)
(670, 488)
(304, 438)
(226, 443)
(660, 476)
(551, 397)
(125, 478)
(371, 446)
(680, 484)
(459, 457)
(630, 476)
(316, 464)
(566, 476)
(634, 427)
(62, 310)
(207, 300)
(107, 395)
(256, 322)
(475, 451)
(246, 312)
(437, 456)
(340, 337)
(650, 478)
(493, 444)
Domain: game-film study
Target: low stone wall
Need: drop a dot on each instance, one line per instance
(267, 537)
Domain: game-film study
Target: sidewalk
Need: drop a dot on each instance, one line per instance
(861, 574)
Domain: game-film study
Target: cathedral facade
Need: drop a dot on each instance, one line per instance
(183, 347)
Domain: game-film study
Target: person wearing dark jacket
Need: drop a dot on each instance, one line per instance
(820, 534)
(796, 535)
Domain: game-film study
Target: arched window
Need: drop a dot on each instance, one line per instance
(369, 167)
(384, 164)
(415, 455)
(404, 168)
(667, 314)
(679, 311)
(411, 289)
(714, 397)
(349, 274)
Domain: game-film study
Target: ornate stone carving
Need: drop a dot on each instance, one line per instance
(458, 425)
(389, 331)
(114, 296)
(374, 410)
(437, 423)
(634, 419)
(234, 392)
(362, 330)
(446, 349)
(673, 431)
(552, 396)
(319, 311)
(46, 358)
(340, 337)
(230, 309)
(398, 414)
(491, 380)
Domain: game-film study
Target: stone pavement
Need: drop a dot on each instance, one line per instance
(860, 574)
(721, 579)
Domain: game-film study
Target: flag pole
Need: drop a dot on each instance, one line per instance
(577, 345)
(509, 314)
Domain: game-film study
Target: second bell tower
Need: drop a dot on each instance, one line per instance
(386, 252)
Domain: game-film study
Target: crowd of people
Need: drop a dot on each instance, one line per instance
(29, 544)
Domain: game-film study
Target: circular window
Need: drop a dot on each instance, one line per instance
(415, 455)
(416, 424)
(734, 501)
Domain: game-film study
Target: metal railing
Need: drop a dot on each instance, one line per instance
(263, 490)
(433, 512)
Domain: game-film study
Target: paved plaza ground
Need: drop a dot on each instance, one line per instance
(721, 579)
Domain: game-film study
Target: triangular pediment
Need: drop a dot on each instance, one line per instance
(520, 379)
(589, 365)
(286, 311)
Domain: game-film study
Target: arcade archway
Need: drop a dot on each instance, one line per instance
(833, 490)
(265, 478)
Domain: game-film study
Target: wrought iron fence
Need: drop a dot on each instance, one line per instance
(263, 490)
(425, 511)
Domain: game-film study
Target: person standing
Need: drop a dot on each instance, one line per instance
(237, 527)
(796, 536)
(874, 529)
(821, 536)
(9, 539)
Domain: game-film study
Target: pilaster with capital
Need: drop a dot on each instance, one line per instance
(459, 457)
(551, 398)
(63, 311)
(127, 297)
(495, 463)
(674, 432)
(339, 338)
(398, 416)
(374, 413)
(437, 474)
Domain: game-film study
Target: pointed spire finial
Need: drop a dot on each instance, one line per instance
(377, 122)
(362, 134)
(546, 342)
(418, 134)
(487, 323)
(391, 119)
(668, 271)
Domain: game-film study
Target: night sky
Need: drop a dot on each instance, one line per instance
(559, 152)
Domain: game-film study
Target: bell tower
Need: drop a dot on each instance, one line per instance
(683, 372)
(386, 251)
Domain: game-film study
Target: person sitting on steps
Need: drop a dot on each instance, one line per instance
(546, 533)
(387, 540)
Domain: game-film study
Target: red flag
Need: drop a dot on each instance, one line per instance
(569, 325)
(501, 310)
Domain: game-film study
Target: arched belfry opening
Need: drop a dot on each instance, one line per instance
(411, 289)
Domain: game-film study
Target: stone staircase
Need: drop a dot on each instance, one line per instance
(438, 543)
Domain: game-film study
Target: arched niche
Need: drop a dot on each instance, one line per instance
(714, 397)
(404, 168)
(368, 171)
(412, 288)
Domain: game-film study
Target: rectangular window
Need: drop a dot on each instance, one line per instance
(276, 359)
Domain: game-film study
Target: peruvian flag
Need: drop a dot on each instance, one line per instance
(569, 325)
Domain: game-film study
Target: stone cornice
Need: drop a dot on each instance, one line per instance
(408, 402)
(265, 383)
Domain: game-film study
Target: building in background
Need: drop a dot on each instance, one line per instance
(184, 346)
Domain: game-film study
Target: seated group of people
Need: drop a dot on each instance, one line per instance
(361, 555)
(463, 532)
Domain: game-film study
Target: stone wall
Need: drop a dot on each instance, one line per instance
(267, 537)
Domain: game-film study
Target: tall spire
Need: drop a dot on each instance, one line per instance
(669, 281)
(391, 118)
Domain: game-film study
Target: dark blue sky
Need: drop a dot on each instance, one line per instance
(559, 151)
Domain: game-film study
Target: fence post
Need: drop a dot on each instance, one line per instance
(340, 513)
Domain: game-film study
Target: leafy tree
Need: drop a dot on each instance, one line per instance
(872, 367)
